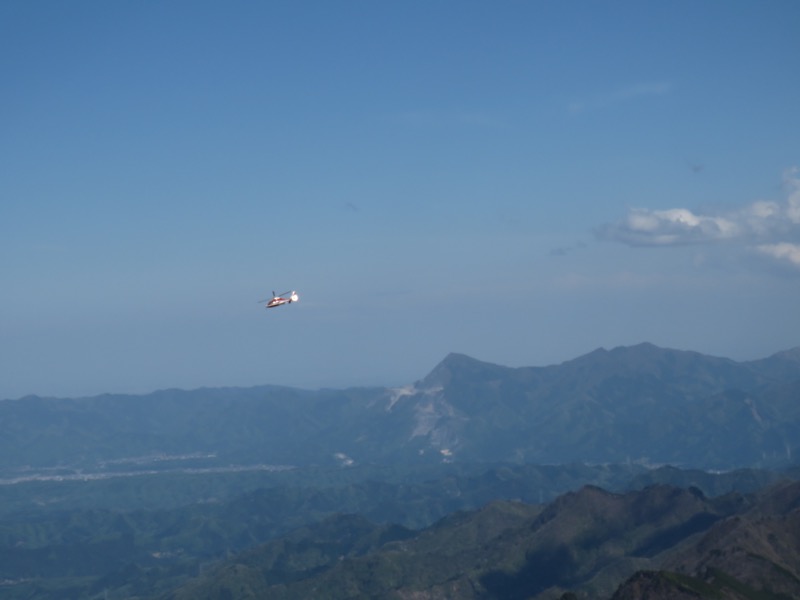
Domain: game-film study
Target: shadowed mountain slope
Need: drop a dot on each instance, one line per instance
(666, 542)
(752, 554)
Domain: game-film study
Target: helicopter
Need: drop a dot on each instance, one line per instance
(281, 299)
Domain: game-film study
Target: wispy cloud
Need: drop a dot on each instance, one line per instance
(620, 95)
(770, 229)
(784, 251)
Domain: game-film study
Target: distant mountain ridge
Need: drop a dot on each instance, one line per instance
(639, 403)
(692, 370)
(629, 403)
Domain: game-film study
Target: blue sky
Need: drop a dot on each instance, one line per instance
(522, 182)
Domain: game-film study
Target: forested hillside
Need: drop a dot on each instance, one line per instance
(660, 542)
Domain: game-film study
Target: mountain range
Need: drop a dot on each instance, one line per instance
(476, 481)
(641, 404)
(661, 542)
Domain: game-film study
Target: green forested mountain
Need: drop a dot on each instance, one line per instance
(106, 548)
(659, 542)
(754, 554)
(102, 541)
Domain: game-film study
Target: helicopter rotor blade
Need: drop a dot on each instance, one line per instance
(274, 296)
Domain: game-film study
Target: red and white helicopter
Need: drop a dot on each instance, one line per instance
(281, 299)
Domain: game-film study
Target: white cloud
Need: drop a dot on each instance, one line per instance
(791, 180)
(784, 251)
(769, 228)
(672, 227)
